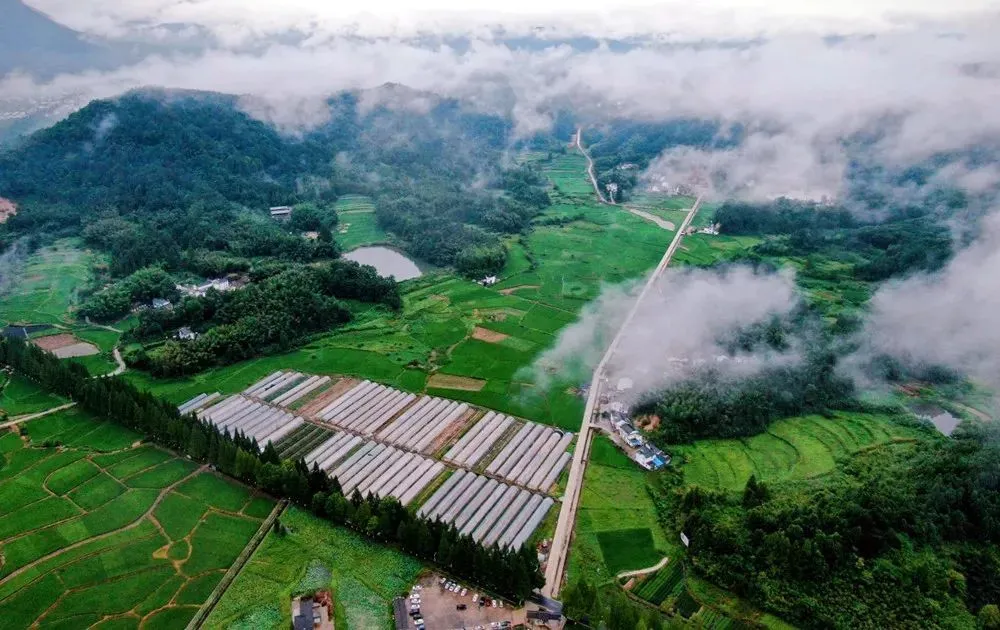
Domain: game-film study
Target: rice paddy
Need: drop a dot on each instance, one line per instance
(551, 273)
(794, 448)
(357, 225)
(101, 532)
(47, 285)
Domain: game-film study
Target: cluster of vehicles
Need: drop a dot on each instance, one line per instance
(418, 621)
(461, 591)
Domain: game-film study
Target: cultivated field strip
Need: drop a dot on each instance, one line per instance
(490, 511)
(478, 440)
(533, 458)
(303, 441)
(254, 419)
(302, 389)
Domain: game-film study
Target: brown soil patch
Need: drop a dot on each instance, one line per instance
(489, 336)
(161, 553)
(54, 342)
(82, 349)
(333, 393)
(519, 287)
(65, 346)
(7, 209)
(449, 381)
(452, 431)
(648, 423)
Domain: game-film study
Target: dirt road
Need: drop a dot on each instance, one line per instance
(556, 567)
(32, 416)
(653, 569)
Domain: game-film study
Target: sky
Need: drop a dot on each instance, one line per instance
(234, 19)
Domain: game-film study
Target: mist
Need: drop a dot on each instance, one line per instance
(682, 324)
(947, 318)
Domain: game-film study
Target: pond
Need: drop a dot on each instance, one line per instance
(387, 261)
(940, 418)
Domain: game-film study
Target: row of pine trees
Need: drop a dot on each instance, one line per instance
(513, 574)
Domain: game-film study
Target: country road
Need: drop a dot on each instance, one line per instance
(32, 416)
(556, 567)
(642, 214)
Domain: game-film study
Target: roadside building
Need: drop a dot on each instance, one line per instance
(629, 433)
(650, 457)
(161, 303)
(488, 281)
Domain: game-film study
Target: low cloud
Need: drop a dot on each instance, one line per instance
(681, 324)
(947, 318)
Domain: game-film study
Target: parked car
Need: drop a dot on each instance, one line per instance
(461, 607)
(464, 592)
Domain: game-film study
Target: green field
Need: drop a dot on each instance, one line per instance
(616, 527)
(356, 223)
(363, 576)
(793, 448)
(19, 396)
(551, 273)
(48, 284)
(83, 544)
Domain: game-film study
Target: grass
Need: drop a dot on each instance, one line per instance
(617, 527)
(551, 273)
(75, 427)
(216, 491)
(20, 396)
(364, 577)
(793, 448)
(84, 545)
(357, 224)
(47, 286)
(628, 549)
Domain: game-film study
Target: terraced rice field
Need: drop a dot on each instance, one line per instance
(47, 286)
(19, 396)
(667, 582)
(357, 224)
(103, 531)
(795, 448)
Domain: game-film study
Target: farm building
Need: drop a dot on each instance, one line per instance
(199, 290)
(313, 613)
(161, 303)
(488, 281)
(281, 213)
(628, 432)
(650, 457)
(186, 334)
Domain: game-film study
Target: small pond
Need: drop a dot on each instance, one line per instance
(940, 418)
(387, 261)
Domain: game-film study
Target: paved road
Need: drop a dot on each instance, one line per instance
(663, 223)
(556, 567)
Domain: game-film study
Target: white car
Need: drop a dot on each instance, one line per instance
(475, 596)
(494, 603)
(464, 592)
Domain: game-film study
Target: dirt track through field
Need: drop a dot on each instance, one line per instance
(147, 514)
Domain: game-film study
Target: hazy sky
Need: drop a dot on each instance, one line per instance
(706, 17)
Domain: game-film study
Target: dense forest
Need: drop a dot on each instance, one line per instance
(512, 573)
(899, 537)
(623, 149)
(908, 239)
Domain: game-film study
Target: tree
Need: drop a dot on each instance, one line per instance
(988, 617)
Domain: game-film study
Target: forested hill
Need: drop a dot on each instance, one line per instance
(156, 150)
